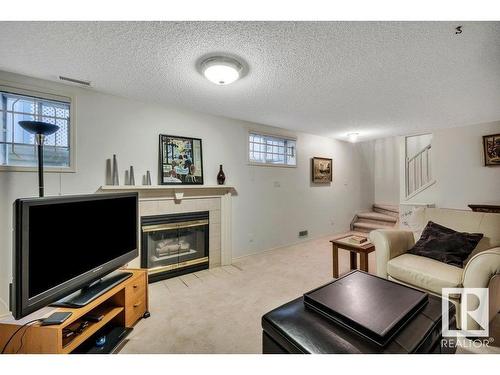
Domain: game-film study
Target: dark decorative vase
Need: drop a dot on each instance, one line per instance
(221, 177)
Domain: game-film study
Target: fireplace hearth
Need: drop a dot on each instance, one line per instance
(174, 244)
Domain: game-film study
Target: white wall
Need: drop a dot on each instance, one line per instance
(386, 170)
(271, 206)
(457, 166)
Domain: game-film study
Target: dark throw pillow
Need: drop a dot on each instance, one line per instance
(445, 244)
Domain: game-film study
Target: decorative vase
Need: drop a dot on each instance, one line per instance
(131, 176)
(109, 172)
(148, 178)
(221, 177)
(116, 180)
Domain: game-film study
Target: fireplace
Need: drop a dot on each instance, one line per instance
(174, 244)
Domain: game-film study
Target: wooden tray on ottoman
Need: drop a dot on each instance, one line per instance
(368, 305)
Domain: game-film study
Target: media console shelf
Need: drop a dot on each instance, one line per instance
(122, 306)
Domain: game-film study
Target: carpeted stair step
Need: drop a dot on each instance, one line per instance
(368, 227)
(386, 209)
(376, 217)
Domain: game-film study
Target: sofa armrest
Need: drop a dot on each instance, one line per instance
(390, 243)
(481, 268)
(483, 271)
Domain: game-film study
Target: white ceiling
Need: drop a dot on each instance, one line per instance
(328, 78)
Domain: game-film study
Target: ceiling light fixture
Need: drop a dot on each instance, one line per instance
(221, 70)
(353, 137)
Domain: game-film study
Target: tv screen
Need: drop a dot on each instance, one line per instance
(65, 243)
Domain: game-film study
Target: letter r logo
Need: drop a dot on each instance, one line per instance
(474, 312)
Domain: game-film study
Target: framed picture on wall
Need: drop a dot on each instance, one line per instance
(322, 170)
(181, 161)
(491, 148)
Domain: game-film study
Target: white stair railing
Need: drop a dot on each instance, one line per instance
(418, 171)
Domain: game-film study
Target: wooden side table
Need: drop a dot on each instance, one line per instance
(363, 250)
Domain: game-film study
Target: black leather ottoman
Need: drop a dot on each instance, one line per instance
(293, 328)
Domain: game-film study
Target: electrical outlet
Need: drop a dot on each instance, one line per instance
(303, 233)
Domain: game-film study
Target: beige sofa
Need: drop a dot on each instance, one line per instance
(481, 269)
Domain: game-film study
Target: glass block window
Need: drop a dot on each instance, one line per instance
(272, 150)
(17, 146)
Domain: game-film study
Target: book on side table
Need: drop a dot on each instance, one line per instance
(358, 240)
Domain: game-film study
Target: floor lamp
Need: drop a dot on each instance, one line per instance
(40, 130)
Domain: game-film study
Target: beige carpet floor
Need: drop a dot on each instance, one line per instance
(219, 310)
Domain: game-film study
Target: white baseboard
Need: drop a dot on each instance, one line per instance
(290, 244)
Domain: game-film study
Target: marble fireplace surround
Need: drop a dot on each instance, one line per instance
(168, 199)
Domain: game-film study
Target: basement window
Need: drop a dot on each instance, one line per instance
(17, 146)
(272, 150)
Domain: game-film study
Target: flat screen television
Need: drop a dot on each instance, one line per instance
(63, 244)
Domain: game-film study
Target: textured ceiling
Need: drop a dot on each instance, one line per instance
(328, 78)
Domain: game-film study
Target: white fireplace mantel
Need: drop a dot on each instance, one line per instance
(139, 188)
(180, 193)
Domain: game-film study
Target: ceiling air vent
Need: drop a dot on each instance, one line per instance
(73, 80)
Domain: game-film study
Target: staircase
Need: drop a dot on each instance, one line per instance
(382, 216)
(418, 172)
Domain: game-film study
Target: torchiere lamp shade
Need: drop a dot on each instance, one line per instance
(39, 127)
(41, 130)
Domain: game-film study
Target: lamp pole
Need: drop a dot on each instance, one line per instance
(40, 139)
(40, 130)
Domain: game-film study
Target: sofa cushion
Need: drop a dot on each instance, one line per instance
(424, 273)
(445, 245)
(461, 221)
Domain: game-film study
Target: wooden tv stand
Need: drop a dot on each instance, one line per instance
(122, 306)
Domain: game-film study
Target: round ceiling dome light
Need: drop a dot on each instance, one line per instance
(353, 137)
(221, 70)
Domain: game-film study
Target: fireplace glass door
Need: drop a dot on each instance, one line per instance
(175, 244)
